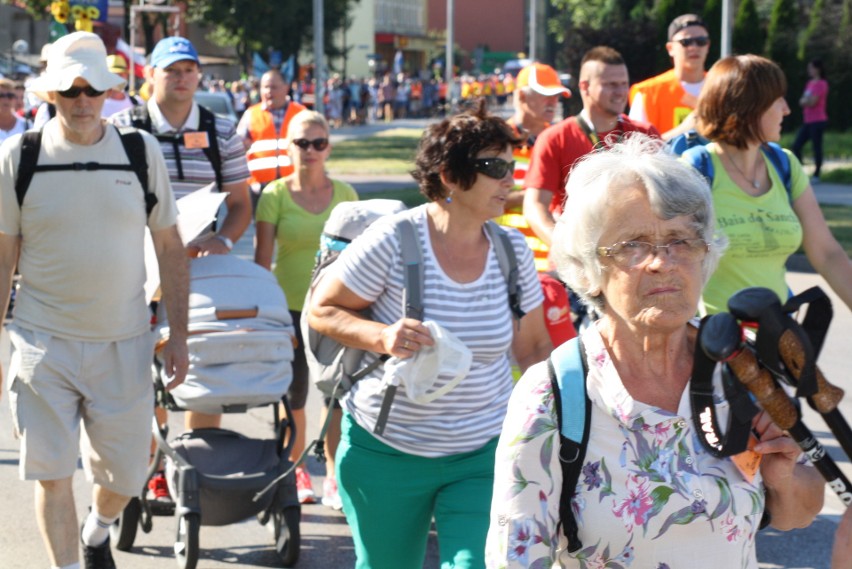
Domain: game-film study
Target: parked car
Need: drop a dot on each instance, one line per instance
(219, 103)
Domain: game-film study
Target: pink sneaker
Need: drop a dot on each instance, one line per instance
(304, 487)
(330, 495)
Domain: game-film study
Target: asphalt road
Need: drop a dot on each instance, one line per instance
(326, 541)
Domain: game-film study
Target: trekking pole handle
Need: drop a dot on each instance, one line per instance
(828, 396)
(762, 385)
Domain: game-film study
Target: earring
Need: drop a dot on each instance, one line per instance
(449, 198)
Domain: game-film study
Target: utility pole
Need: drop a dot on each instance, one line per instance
(448, 72)
(533, 31)
(319, 54)
(725, 44)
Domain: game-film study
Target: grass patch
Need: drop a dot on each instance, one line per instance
(388, 152)
(839, 219)
(835, 145)
(408, 195)
(837, 176)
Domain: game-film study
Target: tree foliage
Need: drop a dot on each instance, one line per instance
(283, 25)
(748, 35)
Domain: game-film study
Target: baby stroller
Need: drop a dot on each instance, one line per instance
(240, 352)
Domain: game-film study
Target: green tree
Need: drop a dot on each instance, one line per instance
(748, 35)
(782, 46)
(284, 25)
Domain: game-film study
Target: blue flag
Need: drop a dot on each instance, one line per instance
(260, 66)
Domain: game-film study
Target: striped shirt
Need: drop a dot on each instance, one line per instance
(476, 312)
(197, 170)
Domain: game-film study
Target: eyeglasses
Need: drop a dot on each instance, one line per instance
(74, 92)
(496, 168)
(7, 95)
(319, 144)
(700, 41)
(629, 254)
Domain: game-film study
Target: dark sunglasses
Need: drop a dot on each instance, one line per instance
(496, 168)
(701, 41)
(75, 92)
(319, 144)
(7, 95)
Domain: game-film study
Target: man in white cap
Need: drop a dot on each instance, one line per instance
(603, 86)
(535, 99)
(81, 337)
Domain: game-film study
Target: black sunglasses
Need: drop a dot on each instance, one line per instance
(7, 95)
(75, 92)
(701, 41)
(496, 168)
(319, 144)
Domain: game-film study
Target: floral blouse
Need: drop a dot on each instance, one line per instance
(649, 496)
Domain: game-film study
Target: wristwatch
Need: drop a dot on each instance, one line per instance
(228, 243)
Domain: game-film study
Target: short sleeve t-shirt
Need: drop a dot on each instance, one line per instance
(476, 312)
(82, 248)
(557, 149)
(297, 233)
(819, 89)
(762, 232)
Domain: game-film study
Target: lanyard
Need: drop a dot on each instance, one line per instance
(590, 133)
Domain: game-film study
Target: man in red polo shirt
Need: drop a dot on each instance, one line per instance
(603, 87)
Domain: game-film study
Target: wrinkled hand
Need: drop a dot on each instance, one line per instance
(780, 452)
(175, 361)
(404, 337)
(841, 555)
(209, 245)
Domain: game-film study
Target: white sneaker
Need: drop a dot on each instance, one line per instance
(330, 495)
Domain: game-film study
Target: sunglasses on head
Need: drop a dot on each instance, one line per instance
(701, 41)
(496, 168)
(319, 144)
(75, 92)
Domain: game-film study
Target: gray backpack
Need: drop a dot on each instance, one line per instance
(334, 368)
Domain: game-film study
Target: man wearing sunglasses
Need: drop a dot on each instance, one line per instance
(10, 123)
(81, 336)
(669, 98)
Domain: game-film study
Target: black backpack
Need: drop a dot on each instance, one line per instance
(139, 118)
(134, 147)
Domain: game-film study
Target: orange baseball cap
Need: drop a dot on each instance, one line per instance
(542, 79)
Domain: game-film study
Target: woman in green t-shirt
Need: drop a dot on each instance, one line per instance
(740, 109)
(290, 216)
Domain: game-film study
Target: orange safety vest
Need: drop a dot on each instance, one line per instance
(267, 157)
(663, 97)
(514, 217)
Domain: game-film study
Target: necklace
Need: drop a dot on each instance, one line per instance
(754, 182)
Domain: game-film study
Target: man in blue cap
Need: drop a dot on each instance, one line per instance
(200, 149)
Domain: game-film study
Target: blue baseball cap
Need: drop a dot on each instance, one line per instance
(172, 49)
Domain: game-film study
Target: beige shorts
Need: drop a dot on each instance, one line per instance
(57, 384)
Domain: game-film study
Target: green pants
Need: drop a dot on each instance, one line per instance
(390, 497)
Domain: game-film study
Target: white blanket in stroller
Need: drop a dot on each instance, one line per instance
(240, 337)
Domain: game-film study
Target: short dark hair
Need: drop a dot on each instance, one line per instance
(684, 21)
(737, 91)
(604, 54)
(818, 64)
(450, 147)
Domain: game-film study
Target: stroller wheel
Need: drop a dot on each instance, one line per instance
(123, 531)
(186, 544)
(287, 534)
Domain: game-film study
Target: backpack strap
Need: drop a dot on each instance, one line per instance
(207, 123)
(699, 158)
(568, 369)
(508, 262)
(134, 148)
(781, 162)
(412, 260)
(30, 148)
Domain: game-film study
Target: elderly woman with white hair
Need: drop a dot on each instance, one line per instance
(637, 242)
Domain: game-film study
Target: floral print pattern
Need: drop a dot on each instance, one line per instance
(648, 495)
